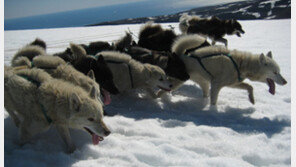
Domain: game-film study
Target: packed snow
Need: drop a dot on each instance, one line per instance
(180, 129)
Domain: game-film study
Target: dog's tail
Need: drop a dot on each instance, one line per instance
(183, 23)
(26, 54)
(187, 42)
(149, 29)
(78, 52)
(21, 61)
(47, 62)
(124, 42)
(35, 75)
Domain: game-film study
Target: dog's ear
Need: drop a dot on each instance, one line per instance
(93, 93)
(74, 102)
(262, 58)
(269, 54)
(91, 74)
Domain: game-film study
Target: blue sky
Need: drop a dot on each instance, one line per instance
(24, 8)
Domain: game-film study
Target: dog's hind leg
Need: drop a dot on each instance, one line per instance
(65, 134)
(247, 87)
(8, 104)
(24, 131)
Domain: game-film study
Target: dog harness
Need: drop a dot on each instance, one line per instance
(198, 47)
(199, 59)
(129, 69)
(49, 120)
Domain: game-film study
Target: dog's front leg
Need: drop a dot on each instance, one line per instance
(223, 40)
(24, 131)
(247, 87)
(151, 92)
(30, 127)
(215, 89)
(65, 134)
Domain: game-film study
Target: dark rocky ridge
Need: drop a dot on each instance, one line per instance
(243, 10)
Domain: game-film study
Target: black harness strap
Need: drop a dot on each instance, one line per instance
(49, 120)
(198, 47)
(129, 70)
(213, 55)
(202, 65)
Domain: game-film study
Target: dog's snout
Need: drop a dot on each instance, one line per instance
(285, 82)
(107, 132)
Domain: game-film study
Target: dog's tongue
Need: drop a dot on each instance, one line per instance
(107, 99)
(96, 139)
(271, 86)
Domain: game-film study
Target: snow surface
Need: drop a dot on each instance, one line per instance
(180, 129)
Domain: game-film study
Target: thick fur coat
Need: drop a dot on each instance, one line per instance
(36, 97)
(129, 73)
(256, 67)
(154, 37)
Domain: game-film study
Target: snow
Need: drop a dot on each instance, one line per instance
(271, 2)
(256, 14)
(180, 129)
(243, 10)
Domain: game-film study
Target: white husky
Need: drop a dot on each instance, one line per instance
(219, 67)
(35, 101)
(129, 73)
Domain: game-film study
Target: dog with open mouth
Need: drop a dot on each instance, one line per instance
(213, 28)
(216, 67)
(36, 101)
(130, 74)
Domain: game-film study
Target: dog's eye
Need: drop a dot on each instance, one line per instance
(275, 73)
(160, 79)
(91, 119)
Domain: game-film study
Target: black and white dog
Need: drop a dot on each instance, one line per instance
(214, 27)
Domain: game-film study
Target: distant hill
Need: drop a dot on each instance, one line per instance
(243, 10)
